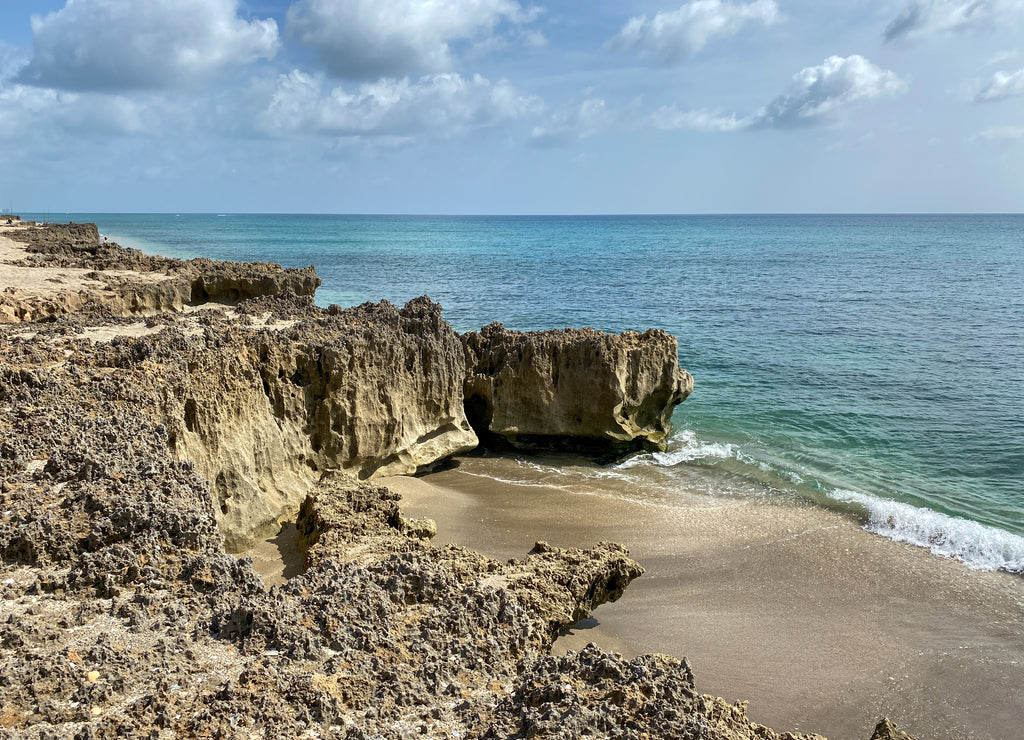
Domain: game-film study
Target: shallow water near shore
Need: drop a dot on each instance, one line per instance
(870, 364)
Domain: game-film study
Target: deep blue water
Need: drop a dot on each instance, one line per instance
(872, 363)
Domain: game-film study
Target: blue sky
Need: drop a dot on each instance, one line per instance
(502, 106)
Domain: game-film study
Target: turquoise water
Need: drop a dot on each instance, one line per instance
(873, 364)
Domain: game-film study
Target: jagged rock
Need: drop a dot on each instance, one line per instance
(887, 730)
(586, 388)
(591, 693)
(368, 392)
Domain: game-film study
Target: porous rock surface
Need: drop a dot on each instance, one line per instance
(588, 388)
(263, 412)
(124, 616)
(134, 283)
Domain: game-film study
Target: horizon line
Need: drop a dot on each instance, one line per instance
(636, 214)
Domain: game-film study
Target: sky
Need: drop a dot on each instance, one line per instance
(511, 107)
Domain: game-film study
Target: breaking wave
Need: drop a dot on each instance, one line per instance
(977, 545)
(683, 447)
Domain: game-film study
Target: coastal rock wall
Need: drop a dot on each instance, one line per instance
(369, 392)
(589, 388)
(125, 618)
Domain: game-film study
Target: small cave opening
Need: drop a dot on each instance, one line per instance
(191, 415)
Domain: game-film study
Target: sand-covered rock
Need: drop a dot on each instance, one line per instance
(589, 389)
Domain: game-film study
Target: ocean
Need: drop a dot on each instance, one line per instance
(870, 364)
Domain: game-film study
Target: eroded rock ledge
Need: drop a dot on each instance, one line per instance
(127, 466)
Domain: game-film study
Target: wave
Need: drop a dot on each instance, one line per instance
(683, 447)
(978, 546)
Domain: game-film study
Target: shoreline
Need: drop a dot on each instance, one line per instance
(816, 622)
(782, 584)
(962, 531)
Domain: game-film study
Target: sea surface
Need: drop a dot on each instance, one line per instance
(872, 364)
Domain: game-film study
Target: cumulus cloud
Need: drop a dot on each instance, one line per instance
(673, 35)
(931, 17)
(572, 123)
(50, 117)
(814, 96)
(1003, 85)
(368, 39)
(443, 104)
(113, 45)
(816, 93)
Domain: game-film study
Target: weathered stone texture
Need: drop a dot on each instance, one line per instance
(589, 388)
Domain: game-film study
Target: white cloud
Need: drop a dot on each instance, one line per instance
(12, 60)
(113, 45)
(1003, 85)
(368, 39)
(816, 93)
(672, 35)
(572, 123)
(442, 104)
(33, 115)
(670, 118)
(931, 17)
(814, 96)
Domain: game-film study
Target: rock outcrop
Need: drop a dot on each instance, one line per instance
(263, 413)
(589, 389)
(117, 281)
(124, 617)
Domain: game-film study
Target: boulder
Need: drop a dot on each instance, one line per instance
(576, 388)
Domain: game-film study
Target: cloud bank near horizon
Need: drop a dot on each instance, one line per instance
(384, 84)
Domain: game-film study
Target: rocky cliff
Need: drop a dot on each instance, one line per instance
(124, 617)
(265, 412)
(599, 391)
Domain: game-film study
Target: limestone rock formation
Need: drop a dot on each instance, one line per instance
(887, 730)
(591, 389)
(125, 618)
(118, 281)
(368, 392)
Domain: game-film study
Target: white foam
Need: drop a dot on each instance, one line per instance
(683, 447)
(979, 546)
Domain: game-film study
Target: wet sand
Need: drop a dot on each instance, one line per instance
(822, 626)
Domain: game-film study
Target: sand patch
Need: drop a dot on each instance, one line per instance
(821, 625)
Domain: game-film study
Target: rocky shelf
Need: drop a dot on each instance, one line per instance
(157, 415)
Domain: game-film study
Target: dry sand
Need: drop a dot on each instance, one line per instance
(821, 625)
(50, 281)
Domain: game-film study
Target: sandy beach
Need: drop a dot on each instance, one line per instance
(822, 626)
